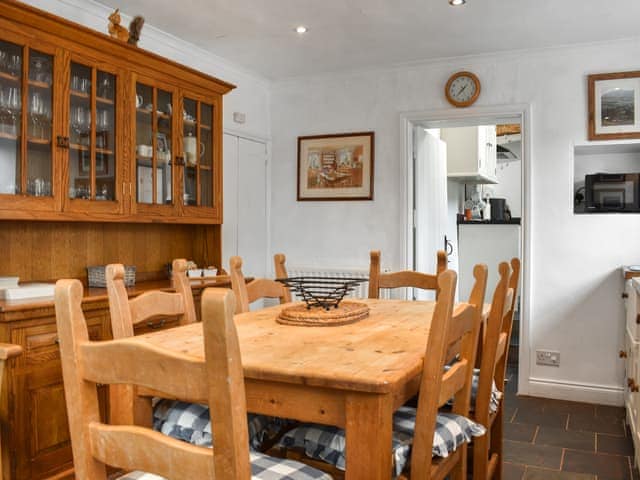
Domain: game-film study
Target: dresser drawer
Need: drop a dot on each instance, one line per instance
(156, 324)
(40, 342)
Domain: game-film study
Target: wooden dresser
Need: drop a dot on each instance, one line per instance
(108, 154)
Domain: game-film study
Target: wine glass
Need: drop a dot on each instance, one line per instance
(14, 104)
(14, 64)
(36, 109)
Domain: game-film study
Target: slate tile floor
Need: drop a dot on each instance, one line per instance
(559, 440)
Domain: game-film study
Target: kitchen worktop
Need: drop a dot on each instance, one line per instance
(513, 221)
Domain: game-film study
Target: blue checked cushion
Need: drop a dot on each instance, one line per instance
(191, 423)
(496, 395)
(263, 467)
(327, 443)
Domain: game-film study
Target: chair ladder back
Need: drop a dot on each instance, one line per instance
(131, 447)
(124, 405)
(431, 381)
(81, 396)
(226, 385)
(254, 290)
(406, 278)
(490, 345)
(507, 324)
(281, 272)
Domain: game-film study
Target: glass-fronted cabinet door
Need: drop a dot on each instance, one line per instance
(201, 180)
(27, 173)
(94, 180)
(154, 142)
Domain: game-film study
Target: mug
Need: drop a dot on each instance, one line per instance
(144, 150)
(139, 101)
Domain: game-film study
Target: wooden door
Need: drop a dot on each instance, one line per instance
(154, 144)
(201, 142)
(93, 130)
(29, 112)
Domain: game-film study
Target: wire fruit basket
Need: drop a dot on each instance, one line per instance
(321, 292)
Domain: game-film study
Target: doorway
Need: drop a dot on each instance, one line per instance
(431, 143)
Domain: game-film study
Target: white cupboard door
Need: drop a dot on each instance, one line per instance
(252, 207)
(230, 199)
(430, 187)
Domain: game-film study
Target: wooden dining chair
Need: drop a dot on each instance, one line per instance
(126, 361)
(247, 293)
(492, 451)
(436, 442)
(407, 278)
(486, 399)
(7, 352)
(125, 404)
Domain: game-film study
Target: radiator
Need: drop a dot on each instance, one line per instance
(361, 291)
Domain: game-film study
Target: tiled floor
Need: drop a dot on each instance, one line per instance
(558, 440)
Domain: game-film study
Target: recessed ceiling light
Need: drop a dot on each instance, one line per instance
(457, 3)
(301, 29)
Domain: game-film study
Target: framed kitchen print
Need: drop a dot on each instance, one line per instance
(336, 167)
(614, 106)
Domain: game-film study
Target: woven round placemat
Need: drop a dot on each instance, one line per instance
(347, 312)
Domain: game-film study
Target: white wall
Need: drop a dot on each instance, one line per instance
(250, 97)
(575, 260)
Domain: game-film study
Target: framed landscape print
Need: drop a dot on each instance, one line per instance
(614, 106)
(336, 167)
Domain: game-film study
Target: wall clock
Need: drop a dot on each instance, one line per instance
(463, 89)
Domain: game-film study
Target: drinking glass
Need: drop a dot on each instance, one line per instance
(14, 64)
(4, 60)
(36, 110)
(14, 104)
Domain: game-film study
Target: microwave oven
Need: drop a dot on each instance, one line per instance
(612, 192)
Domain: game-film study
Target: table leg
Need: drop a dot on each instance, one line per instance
(368, 430)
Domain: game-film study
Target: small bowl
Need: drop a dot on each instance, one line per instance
(209, 272)
(194, 273)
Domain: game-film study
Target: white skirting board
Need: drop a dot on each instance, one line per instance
(576, 392)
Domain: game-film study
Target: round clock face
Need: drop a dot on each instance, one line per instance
(462, 89)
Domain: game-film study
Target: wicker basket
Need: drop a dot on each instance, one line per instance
(96, 276)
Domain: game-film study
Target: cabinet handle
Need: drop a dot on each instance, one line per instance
(638, 319)
(622, 354)
(630, 382)
(625, 295)
(632, 385)
(57, 341)
(62, 142)
(180, 161)
(157, 325)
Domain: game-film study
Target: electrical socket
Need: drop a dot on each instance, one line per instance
(548, 357)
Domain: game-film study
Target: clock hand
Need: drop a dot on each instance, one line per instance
(462, 90)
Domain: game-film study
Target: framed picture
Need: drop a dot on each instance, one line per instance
(162, 145)
(336, 167)
(102, 164)
(614, 106)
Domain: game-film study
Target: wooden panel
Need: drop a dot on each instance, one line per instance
(41, 250)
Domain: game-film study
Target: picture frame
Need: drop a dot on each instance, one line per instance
(336, 167)
(162, 145)
(614, 106)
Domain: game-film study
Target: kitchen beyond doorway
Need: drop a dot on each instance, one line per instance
(467, 158)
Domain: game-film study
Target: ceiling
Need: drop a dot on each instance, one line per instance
(351, 34)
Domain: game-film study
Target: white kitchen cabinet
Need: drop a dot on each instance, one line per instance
(471, 153)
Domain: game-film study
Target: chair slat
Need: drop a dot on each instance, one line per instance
(453, 381)
(150, 451)
(155, 304)
(264, 288)
(408, 278)
(111, 363)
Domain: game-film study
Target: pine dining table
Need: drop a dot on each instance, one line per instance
(352, 376)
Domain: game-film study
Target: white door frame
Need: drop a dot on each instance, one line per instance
(523, 112)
